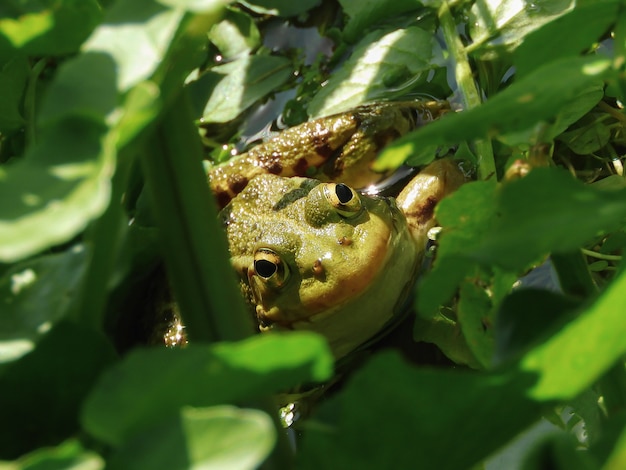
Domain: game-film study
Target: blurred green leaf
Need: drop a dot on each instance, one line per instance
(61, 184)
(245, 81)
(151, 32)
(558, 451)
(43, 391)
(537, 97)
(13, 78)
(381, 64)
(47, 27)
(280, 7)
(68, 455)
(196, 6)
(576, 355)
(214, 437)
(224, 373)
(35, 295)
(525, 317)
(422, 414)
(505, 23)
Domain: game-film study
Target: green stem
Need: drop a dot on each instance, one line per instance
(595, 254)
(194, 245)
(103, 241)
(29, 100)
(467, 86)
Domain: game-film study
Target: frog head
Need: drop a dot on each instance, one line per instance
(321, 257)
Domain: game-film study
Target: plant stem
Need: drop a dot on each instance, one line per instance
(595, 254)
(30, 98)
(467, 86)
(103, 242)
(193, 244)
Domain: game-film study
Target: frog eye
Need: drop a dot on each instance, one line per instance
(269, 266)
(343, 198)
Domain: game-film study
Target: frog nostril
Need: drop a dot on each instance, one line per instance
(344, 193)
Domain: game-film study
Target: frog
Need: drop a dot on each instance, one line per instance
(312, 251)
(313, 242)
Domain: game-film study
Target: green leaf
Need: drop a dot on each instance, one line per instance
(504, 23)
(549, 202)
(487, 226)
(61, 184)
(580, 352)
(245, 81)
(68, 455)
(280, 7)
(224, 373)
(214, 437)
(13, 77)
(535, 98)
(150, 33)
(420, 415)
(527, 316)
(47, 27)
(35, 295)
(236, 34)
(452, 402)
(475, 314)
(465, 216)
(43, 391)
(382, 63)
(365, 13)
(588, 21)
(196, 6)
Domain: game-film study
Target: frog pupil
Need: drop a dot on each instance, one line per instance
(265, 268)
(344, 193)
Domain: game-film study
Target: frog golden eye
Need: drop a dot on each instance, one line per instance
(343, 198)
(269, 266)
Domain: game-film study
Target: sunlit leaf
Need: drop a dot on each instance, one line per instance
(245, 81)
(382, 63)
(579, 352)
(589, 21)
(47, 27)
(280, 7)
(35, 295)
(61, 184)
(235, 34)
(150, 33)
(364, 14)
(214, 437)
(68, 455)
(504, 24)
(225, 373)
(537, 97)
